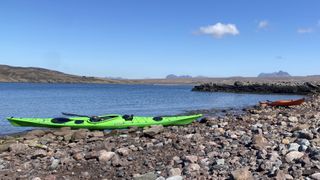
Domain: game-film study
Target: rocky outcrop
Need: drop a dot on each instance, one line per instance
(256, 87)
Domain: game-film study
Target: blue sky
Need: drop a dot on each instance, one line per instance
(153, 38)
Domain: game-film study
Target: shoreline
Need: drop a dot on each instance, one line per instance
(261, 143)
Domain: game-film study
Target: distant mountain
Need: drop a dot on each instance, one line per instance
(274, 74)
(172, 76)
(41, 75)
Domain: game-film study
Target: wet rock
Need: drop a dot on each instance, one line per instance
(153, 130)
(175, 172)
(105, 156)
(293, 155)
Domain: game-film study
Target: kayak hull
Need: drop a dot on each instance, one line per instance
(117, 122)
(284, 102)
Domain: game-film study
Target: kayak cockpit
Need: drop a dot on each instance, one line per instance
(103, 118)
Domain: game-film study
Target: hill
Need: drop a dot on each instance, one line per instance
(274, 74)
(41, 75)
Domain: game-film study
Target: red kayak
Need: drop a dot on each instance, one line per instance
(283, 102)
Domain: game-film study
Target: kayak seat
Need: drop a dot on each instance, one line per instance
(95, 119)
(157, 118)
(128, 117)
(60, 120)
(79, 121)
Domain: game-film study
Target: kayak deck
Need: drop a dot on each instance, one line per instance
(111, 121)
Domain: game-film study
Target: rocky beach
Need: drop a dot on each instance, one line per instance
(284, 87)
(260, 143)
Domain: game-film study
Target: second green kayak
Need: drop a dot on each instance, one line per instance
(110, 121)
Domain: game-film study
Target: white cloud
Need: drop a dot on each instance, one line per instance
(263, 24)
(305, 30)
(219, 30)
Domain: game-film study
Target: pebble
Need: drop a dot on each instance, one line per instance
(193, 167)
(105, 156)
(175, 172)
(315, 176)
(147, 176)
(175, 178)
(293, 119)
(220, 162)
(294, 147)
(293, 155)
(123, 151)
(54, 164)
(242, 174)
(192, 159)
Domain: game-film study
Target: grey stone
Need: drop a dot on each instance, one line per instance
(147, 176)
(54, 164)
(315, 176)
(220, 162)
(293, 147)
(305, 142)
(175, 178)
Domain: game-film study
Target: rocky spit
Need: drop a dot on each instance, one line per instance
(285, 87)
(261, 143)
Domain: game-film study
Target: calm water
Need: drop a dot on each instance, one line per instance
(49, 100)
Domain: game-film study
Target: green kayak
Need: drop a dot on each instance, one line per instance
(110, 121)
